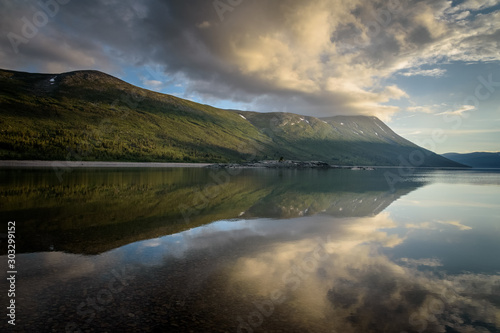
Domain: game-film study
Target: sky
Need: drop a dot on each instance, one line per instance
(428, 68)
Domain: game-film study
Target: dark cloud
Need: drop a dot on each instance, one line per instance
(330, 56)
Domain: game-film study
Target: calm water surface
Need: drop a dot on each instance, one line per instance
(198, 250)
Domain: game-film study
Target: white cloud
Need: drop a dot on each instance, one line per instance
(459, 112)
(435, 225)
(455, 224)
(461, 15)
(436, 72)
(152, 83)
(423, 108)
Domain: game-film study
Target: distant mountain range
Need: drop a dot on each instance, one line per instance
(92, 116)
(476, 160)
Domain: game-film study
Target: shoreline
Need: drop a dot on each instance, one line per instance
(255, 165)
(289, 164)
(97, 164)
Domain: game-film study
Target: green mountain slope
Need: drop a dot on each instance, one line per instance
(347, 140)
(89, 115)
(476, 160)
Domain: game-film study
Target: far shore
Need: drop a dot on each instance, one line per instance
(99, 164)
(262, 164)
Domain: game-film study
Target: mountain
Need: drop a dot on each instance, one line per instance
(476, 160)
(89, 115)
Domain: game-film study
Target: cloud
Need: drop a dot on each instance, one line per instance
(456, 224)
(337, 273)
(316, 58)
(204, 25)
(152, 83)
(423, 108)
(435, 225)
(431, 262)
(475, 5)
(353, 287)
(458, 112)
(436, 72)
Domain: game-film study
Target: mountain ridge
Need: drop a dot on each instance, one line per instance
(476, 159)
(90, 115)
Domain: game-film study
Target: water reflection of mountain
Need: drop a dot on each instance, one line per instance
(288, 202)
(93, 211)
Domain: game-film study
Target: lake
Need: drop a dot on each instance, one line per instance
(208, 250)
